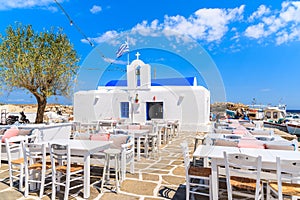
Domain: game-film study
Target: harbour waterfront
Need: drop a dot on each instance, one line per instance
(293, 111)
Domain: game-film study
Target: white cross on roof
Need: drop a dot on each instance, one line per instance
(137, 55)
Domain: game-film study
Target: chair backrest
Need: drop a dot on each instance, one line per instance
(262, 132)
(34, 153)
(287, 171)
(283, 145)
(186, 156)
(242, 165)
(60, 155)
(119, 131)
(128, 149)
(14, 147)
(34, 137)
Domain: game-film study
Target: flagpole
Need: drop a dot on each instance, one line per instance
(128, 50)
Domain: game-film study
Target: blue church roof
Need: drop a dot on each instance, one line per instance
(186, 81)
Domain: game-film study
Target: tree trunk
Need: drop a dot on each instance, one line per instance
(42, 102)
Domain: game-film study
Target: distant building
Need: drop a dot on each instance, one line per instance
(140, 99)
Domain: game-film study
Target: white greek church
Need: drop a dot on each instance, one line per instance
(140, 99)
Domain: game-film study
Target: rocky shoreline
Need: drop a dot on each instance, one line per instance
(32, 108)
(68, 109)
(30, 111)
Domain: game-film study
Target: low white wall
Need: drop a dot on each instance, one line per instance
(51, 131)
(48, 132)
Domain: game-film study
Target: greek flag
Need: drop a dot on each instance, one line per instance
(122, 49)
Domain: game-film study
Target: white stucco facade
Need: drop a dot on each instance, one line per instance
(189, 104)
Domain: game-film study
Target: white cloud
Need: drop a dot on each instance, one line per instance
(107, 36)
(261, 11)
(146, 29)
(281, 26)
(213, 25)
(95, 9)
(290, 11)
(282, 37)
(11, 4)
(204, 24)
(255, 31)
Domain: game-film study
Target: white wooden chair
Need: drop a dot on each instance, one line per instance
(153, 141)
(127, 157)
(63, 172)
(34, 137)
(15, 159)
(175, 127)
(35, 166)
(198, 178)
(125, 143)
(243, 176)
(288, 180)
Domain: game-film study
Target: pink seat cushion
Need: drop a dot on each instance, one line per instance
(134, 127)
(118, 140)
(280, 147)
(221, 142)
(100, 137)
(146, 127)
(240, 131)
(250, 143)
(10, 133)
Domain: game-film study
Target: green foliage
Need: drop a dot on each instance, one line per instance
(44, 63)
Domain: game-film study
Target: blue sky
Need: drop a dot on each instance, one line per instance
(255, 45)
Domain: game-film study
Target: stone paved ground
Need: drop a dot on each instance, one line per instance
(154, 178)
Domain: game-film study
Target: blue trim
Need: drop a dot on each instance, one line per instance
(187, 81)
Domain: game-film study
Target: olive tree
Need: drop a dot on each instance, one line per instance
(43, 63)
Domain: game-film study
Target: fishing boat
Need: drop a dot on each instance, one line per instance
(256, 113)
(274, 117)
(293, 127)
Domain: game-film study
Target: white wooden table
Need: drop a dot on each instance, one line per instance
(84, 148)
(215, 153)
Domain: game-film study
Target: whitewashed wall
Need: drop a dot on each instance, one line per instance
(190, 105)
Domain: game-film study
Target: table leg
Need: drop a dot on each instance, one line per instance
(86, 184)
(146, 144)
(139, 148)
(159, 137)
(215, 181)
